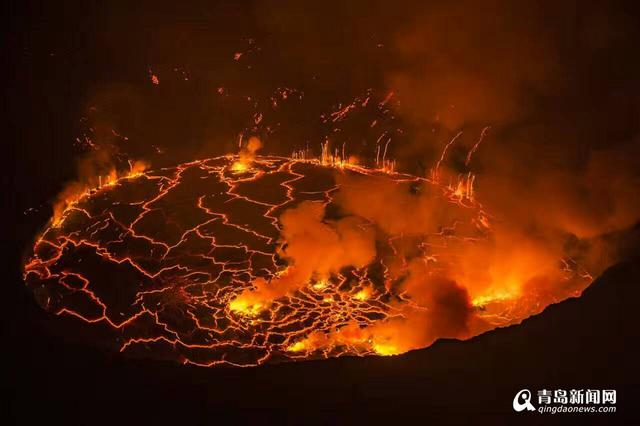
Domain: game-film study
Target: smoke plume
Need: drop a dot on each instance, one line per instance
(314, 248)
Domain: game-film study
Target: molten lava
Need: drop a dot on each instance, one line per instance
(244, 260)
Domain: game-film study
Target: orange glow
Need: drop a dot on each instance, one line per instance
(240, 166)
(386, 349)
(244, 307)
(320, 285)
(363, 294)
(411, 262)
(246, 156)
(297, 347)
(75, 191)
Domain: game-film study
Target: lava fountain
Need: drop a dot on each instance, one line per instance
(244, 260)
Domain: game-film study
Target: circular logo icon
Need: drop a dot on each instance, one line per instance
(522, 400)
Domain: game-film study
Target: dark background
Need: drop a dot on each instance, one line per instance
(71, 66)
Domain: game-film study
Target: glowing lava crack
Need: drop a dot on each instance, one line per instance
(191, 263)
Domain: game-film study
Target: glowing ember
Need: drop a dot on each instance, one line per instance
(244, 260)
